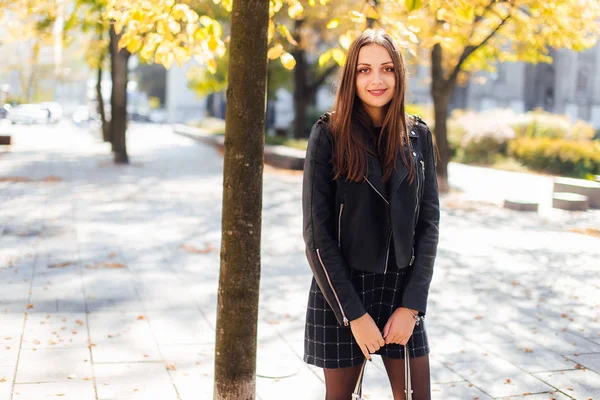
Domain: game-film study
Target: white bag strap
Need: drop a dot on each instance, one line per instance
(407, 384)
(357, 394)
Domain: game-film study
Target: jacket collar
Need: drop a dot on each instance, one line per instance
(374, 169)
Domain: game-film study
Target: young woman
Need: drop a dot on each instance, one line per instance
(371, 216)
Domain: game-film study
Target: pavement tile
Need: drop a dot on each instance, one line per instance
(457, 391)
(75, 390)
(121, 351)
(552, 395)
(530, 356)
(305, 385)
(134, 380)
(589, 361)
(497, 377)
(34, 365)
(6, 380)
(442, 374)
(579, 384)
(51, 331)
(183, 327)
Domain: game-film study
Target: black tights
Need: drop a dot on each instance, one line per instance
(340, 382)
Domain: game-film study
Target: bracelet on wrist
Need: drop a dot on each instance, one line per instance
(417, 317)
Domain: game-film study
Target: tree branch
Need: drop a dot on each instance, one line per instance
(471, 49)
(321, 79)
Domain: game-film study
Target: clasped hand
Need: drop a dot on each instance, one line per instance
(398, 329)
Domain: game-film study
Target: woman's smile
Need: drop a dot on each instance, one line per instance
(377, 92)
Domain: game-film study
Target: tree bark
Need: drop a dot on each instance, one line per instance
(306, 84)
(441, 89)
(118, 98)
(101, 111)
(239, 279)
(301, 94)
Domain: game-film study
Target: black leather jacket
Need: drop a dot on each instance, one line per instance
(351, 225)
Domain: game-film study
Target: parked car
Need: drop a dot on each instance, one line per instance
(81, 114)
(28, 114)
(4, 111)
(55, 110)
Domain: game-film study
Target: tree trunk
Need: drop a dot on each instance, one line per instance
(441, 90)
(118, 98)
(301, 95)
(101, 111)
(239, 279)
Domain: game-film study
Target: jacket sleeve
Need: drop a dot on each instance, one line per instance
(416, 290)
(318, 211)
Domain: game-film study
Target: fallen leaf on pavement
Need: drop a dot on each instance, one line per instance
(79, 322)
(171, 367)
(192, 249)
(141, 317)
(586, 231)
(61, 265)
(14, 179)
(72, 376)
(507, 380)
(29, 306)
(51, 178)
(106, 265)
(3, 379)
(528, 350)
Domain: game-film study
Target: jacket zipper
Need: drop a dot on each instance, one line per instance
(340, 225)
(332, 289)
(375, 189)
(387, 253)
(418, 188)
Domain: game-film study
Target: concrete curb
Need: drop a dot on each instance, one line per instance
(275, 156)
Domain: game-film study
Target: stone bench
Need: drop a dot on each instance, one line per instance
(521, 205)
(583, 187)
(276, 156)
(570, 201)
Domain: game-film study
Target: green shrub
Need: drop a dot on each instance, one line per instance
(300, 144)
(542, 124)
(479, 137)
(558, 156)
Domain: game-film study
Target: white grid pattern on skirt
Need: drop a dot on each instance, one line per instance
(330, 345)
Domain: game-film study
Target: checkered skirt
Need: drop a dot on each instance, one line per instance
(329, 345)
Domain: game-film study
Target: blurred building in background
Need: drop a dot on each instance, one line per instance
(570, 86)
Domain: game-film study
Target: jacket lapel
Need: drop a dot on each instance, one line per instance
(401, 171)
(375, 170)
(374, 175)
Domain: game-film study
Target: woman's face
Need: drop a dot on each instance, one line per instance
(375, 77)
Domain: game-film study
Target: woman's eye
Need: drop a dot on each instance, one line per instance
(389, 69)
(363, 70)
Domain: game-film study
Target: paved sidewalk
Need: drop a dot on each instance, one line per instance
(109, 280)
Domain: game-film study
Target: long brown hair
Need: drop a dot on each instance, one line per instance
(350, 153)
